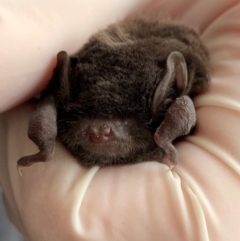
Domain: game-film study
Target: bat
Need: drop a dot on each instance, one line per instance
(124, 97)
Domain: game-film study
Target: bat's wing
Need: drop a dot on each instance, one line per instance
(178, 121)
(181, 115)
(43, 122)
(42, 131)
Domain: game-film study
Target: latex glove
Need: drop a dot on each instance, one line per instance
(199, 200)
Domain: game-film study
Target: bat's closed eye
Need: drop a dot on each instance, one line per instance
(153, 123)
(149, 123)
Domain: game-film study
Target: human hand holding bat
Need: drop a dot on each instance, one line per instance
(195, 196)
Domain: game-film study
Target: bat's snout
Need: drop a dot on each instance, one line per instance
(100, 133)
(104, 136)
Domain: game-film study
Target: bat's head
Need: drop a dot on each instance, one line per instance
(112, 95)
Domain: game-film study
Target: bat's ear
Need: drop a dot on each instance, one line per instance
(63, 73)
(176, 71)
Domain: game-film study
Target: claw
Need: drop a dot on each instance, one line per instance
(19, 168)
(171, 166)
(178, 121)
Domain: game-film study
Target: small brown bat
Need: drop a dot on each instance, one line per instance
(124, 97)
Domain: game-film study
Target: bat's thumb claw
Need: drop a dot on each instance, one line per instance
(171, 166)
(19, 168)
(171, 154)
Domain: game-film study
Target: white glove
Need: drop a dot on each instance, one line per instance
(59, 200)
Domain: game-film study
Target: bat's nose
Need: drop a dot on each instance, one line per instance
(100, 134)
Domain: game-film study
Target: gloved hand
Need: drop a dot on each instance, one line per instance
(60, 200)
